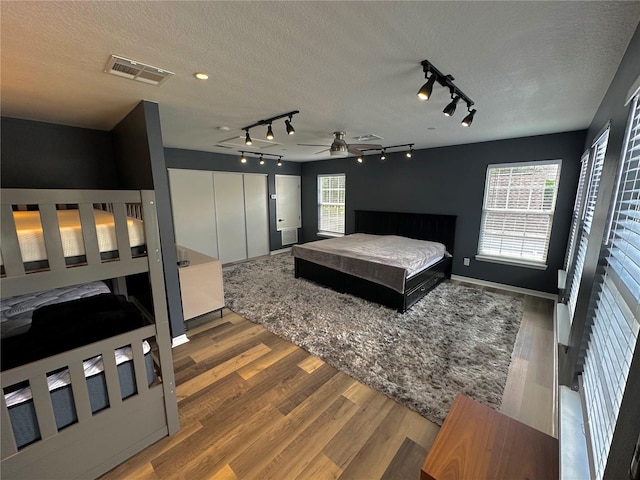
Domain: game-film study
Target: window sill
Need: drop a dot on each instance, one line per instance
(329, 234)
(511, 261)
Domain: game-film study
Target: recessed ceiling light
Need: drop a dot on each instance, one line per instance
(201, 76)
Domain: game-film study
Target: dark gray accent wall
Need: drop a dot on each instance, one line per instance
(197, 160)
(614, 112)
(451, 180)
(141, 165)
(46, 155)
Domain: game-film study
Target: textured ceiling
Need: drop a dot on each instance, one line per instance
(531, 67)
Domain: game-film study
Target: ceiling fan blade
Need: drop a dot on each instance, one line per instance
(322, 151)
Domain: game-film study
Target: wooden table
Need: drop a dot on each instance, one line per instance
(476, 442)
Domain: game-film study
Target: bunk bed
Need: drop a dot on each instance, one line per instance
(351, 268)
(89, 382)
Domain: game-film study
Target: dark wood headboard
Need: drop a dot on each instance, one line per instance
(422, 226)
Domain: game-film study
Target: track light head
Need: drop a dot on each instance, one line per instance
(290, 129)
(247, 138)
(269, 133)
(360, 159)
(383, 155)
(410, 152)
(466, 121)
(279, 162)
(425, 91)
(243, 159)
(451, 108)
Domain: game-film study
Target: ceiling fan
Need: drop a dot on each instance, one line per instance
(340, 148)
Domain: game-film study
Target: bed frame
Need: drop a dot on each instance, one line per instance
(97, 442)
(421, 226)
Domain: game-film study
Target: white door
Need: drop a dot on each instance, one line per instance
(229, 197)
(194, 216)
(256, 214)
(288, 200)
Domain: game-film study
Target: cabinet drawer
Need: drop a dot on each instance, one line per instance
(417, 292)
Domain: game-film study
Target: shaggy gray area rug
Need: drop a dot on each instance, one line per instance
(455, 340)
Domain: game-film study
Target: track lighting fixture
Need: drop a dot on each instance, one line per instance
(409, 153)
(290, 129)
(432, 74)
(451, 108)
(425, 91)
(383, 155)
(360, 159)
(268, 122)
(261, 161)
(469, 118)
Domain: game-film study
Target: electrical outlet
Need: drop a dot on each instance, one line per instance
(466, 262)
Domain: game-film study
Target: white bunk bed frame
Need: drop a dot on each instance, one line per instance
(96, 442)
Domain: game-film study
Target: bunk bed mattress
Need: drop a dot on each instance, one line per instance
(388, 260)
(31, 238)
(21, 408)
(16, 312)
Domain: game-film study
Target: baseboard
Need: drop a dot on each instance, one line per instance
(282, 250)
(179, 340)
(509, 288)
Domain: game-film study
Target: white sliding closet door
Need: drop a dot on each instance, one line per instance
(229, 201)
(194, 215)
(256, 214)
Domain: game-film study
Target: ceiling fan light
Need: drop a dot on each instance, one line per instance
(466, 121)
(269, 133)
(290, 129)
(451, 108)
(247, 139)
(425, 91)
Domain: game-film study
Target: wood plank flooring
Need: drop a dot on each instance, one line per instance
(254, 406)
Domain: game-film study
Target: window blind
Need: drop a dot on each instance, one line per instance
(616, 319)
(599, 149)
(577, 211)
(519, 202)
(331, 203)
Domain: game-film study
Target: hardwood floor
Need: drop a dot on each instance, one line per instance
(253, 405)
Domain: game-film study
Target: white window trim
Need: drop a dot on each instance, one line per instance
(526, 263)
(326, 233)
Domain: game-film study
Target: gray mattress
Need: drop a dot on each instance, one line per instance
(23, 415)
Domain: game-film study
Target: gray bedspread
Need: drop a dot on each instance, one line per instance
(385, 259)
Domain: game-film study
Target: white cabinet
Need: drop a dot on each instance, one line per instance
(200, 285)
(222, 214)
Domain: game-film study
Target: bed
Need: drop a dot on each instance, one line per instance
(87, 378)
(374, 278)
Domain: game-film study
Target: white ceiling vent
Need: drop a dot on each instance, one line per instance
(368, 138)
(238, 142)
(123, 67)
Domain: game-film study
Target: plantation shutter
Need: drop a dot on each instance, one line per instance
(616, 320)
(599, 149)
(331, 203)
(518, 211)
(577, 211)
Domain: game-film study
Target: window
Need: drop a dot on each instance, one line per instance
(517, 214)
(331, 193)
(612, 339)
(598, 150)
(577, 211)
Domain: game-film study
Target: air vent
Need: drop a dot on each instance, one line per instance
(367, 138)
(289, 236)
(133, 70)
(238, 142)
